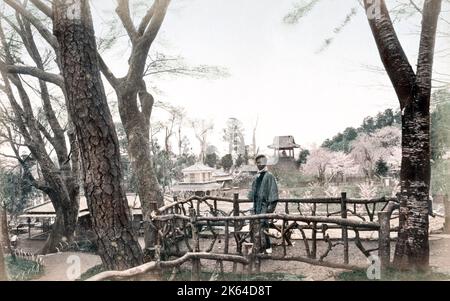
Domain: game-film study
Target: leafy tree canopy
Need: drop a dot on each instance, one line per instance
(342, 141)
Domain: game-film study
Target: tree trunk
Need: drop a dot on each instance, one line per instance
(136, 118)
(55, 180)
(412, 247)
(64, 195)
(446, 202)
(180, 142)
(60, 182)
(63, 229)
(149, 190)
(96, 136)
(5, 245)
(3, 274)
(413, 91)
(4, 234)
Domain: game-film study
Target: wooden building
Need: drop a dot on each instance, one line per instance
(45, 214)
(284, 152)
(198, 179)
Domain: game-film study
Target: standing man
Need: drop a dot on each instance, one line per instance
(264, 194)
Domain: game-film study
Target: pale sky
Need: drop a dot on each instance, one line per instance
(275, 70)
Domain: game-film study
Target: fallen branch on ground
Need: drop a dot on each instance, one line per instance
(154, 265)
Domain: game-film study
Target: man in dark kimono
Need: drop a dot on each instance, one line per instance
(264, 194)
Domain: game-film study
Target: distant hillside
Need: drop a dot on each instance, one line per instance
(342, 141)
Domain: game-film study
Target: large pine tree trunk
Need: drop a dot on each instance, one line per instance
(96, 135)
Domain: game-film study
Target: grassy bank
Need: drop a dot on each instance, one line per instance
(22, 270)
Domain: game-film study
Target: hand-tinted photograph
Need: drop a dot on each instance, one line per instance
(250, 142)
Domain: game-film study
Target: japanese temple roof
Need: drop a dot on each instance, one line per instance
(284, 142)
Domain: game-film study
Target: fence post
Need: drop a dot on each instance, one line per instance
(447, 214)
(344, 228)
(314, 234)
(159, 271)
(195, 276)
(236, 228)
(257, 245)
(248, 253)
(175, 200)
(159, 239)
(384, 239)
(198, 206)
(283, 240)
(227, 237)
(236, 204)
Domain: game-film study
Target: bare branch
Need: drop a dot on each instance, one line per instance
(47, 10)
(156, 21)
(416, 7)
(430, 14)
(391, 52)
(123, 11)
(146, 20)
(139, 56)
(36, 72)
(10, 23)
(46, 34)
(153, 265)
(113, 81)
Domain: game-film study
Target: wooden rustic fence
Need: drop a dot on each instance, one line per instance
(182, 224)
(190, 229)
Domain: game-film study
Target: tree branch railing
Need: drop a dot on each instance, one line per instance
(360, 208)
(182, 232)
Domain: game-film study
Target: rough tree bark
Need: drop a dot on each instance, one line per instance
(413, 91)
(60, 182)
(96, 135)
(135, 103)
(134, 114)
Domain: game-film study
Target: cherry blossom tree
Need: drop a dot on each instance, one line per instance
(325, 164)
(383, 144)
